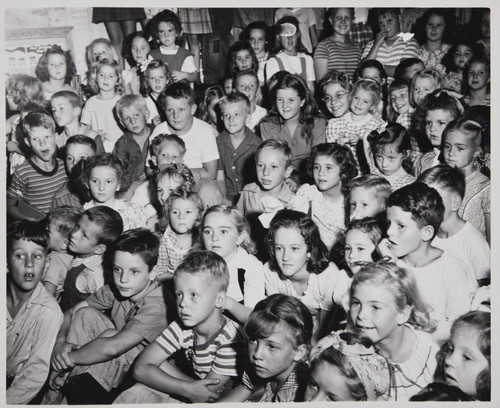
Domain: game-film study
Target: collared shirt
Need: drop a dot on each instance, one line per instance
(92, 277)
(170, 252)
(250, 201)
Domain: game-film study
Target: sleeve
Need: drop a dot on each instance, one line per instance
(88, 114)
(367, 49)
(228, 357)
(28, 382)
(480, 255)
(254, 282)
(188, 65)
(321, 51)
(17, 186)
(246, 382)
(271, 68)
(162, 264)
(56, 271)
(170, 340)
(457, 293)
(151, 318)
(103, 299)
(270, 281)
(209, 151)
(121, 151)
(329, 281)
(303, 197)
(331, 132)
(411, 50)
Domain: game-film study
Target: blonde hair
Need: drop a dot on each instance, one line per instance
(97, 66)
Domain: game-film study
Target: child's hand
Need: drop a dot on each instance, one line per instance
(152, 222)
(54, 382)
(385, 251)
(380, 36)
(292, 184)
(353, 139)
(60, 348)
(62, 362)
(196, 175)
(156, 120)
(178, 75)
(199, 391)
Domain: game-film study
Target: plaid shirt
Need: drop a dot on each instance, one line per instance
(170, 253)
(361, 33)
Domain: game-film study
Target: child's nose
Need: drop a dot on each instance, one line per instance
(123, 277)
(101, 186)
(29, 263)
(257, 353)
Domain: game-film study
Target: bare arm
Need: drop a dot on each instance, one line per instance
(314, 35)
(239, 311)
(320, 67)
(238, 394)
(221, 181)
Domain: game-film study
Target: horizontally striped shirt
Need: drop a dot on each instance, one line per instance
(340, 57)
(221, 354)
(392, 55)
(36, 186)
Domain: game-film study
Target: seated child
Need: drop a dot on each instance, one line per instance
(33, 315)
(94, 352)
(212, 343)
(60, 221)
(367, 196)
(96, 229)
(247, 83)
(407, 69)
(399, 108)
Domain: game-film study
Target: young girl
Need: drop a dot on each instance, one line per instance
(97, 113)
(97, 50)
(290, 55)
(209, 110)
(166, 31)
(462, 149)
(423, 83)
(398, 107)
(241, 57)
(155, 80)
(454, 62)
(373, 69)
(279, 336)
(345, 367)
(107, 180)
(257, 35)
(477, 83)
(336, 88)
(55, 69)
(183, 212)
(225, 231)
(299, 266)
(136, 53)
(386, 307)
(292, 120)
(388, 154)
(333, 166)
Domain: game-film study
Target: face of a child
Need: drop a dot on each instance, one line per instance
(167, 34)
(462, 55)
(135, 119)
(257, 39)
(423, 87)
(389, 24)
(336, 99)
(130, 274)
(57, 241)
(373, 311)
(463, 360)
(248, 85)
(388, 160)
(157, 80)
(326, 173)
(289, 43)
(290, 250)
(169, 152)
(243, 60)
(140, 49)
(358, 249)
(410, 72)
(84, 239)
(288, 103)
(361, 102)
(434, 30)
(478, 77)
(183, 215)
(405, 236)
(56, 66)
(435, 123)
(220, 234)
(76, 152)
(165, 186)
(372, 73)
(179, 113)
(327, 383)
(103, 183)
(107, 79)
(42, 143)
(341, 21)
(234, 116)
(271, 169)
(364, 203)
(63, 112)
(400, 100)
(26, 261)
(228, 86)
(459, 150)
(485, 25)
(100, 51)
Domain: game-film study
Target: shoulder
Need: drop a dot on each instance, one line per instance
(43, 298)
(251, 188)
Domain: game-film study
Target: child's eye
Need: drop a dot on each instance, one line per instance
(360, 249)
(19, 256)
(116, 270)
(313, 384)
(401, 226)
(206, 232)
(374, 307)
(38, 256)
(252, 341)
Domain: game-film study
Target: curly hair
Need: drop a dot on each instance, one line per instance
(182, 193)
(108, 160)
(238, 46)
(144, 84)
(42, 71)
(166, 16)
(94, 72)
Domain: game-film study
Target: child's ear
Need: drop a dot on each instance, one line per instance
(427, 233)
(300, 353)
(77, 111)
(288, 171)
(64, 245)
(456, 202)
(302, 102)
(147, 114)
(404, 315)
(220, 300)
(193, 109)
(100, 249)
(26, 141)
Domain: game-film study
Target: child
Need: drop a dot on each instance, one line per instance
(484, 41)
(60, 221)
(387, 308)
(373, 69)
(347, 368)
(241, 57)
(170, 178)
(279, 334)
(107, 180)
(153, 84)
(407, 69)
(399, 108)
(247, 83)
(97, 50)
(414, 214)
(257, 34)
(454, 62)
(55, 69)
(423, 83)
(33, 315)
(183, 211)
(237, 145)
(95, 231)
(166, 31)
(36, 180)
(388, 154)
(455, 235)
(367, 196)
(137, 56)
(212, 343)
(94, 351)
(307, 24)
(461, 149)
(333, 167)
(166, 149)
(105, 80)
(293, 120)
(225, 231)
(336, 88)
(477, 83)
(208, 110)
(299, 267)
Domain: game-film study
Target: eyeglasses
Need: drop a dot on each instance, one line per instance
(337, 97)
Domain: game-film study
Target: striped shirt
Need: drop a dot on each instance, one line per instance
(221, 354)
(36, 186)
(343, 58)
(392, 55)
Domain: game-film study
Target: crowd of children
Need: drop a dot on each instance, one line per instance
(314, 225)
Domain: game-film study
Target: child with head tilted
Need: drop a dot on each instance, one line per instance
(279, 334)
(237, 145)
(36, 180)
(94, 351)
(399, 108)
(213, 344)
(208, 109)
(367, 197)
(335, 87)
(477, 82)
(423, 83)
(136, 51)
(241, 57)
(153, 83)
(258, 35)
(96, 229)
(388, 154)
(299, 267)
(414, 214)
(455, 61)
(333, 167)
(373, 69)
(247, 83)
(33, 315)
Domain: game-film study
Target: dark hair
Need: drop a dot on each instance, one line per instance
(258, 25)
(108, 160)
(438, 391)
(421, 23)
(395, 85)
(290, 20)
(403, 65)
(65, 218)
(423, 202)
(448, 61)
(71, 96)
(197, 262)
(33, 231)
(177, 90)
(82, 140)
(465, 89)
(370, 63)
(275, 144)
(142, 242)
(446, 177)
(332, 11)
(249, 72)
(238, 46)
(37, 119)
(318, 259)
(42, 71)
(165, 16)
(109, 222)
(394, 135)
(127, 46)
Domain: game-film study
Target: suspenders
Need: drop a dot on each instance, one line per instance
(303, 74)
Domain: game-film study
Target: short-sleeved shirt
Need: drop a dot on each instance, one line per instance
(476, 203)
(300, 64)
(57, 266)
(392, 55)
(251, 197)
(341, 57)
(91, 279)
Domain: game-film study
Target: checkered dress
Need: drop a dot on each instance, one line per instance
(195, 20)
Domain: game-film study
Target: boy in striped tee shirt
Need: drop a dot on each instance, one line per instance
(211, 343)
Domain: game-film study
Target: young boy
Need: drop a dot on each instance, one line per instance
(33, 315)
(97, 228)
(35, 181)
(237, 145)
(399, 99)
(367, 197)
(99, 350)
(60, 221)
(78, 147)
(414, 214)
(247, 82)
(455, 235)
(213, 344)
(389, 45)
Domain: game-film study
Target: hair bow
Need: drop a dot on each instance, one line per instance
(144, 64)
